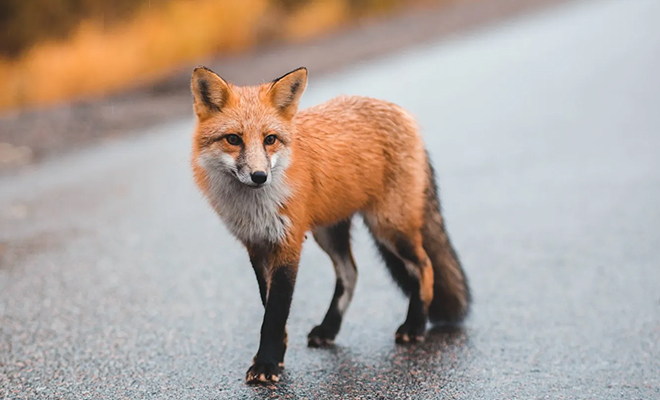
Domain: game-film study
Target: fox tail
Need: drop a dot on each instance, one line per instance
(451, 293)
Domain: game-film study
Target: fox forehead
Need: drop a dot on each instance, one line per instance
(250, 122)
(248, 114)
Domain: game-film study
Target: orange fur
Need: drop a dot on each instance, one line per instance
(350, 155)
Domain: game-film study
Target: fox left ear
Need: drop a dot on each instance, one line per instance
(210, 92)
(285, 92)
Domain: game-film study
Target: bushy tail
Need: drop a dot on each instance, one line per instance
(451, 293)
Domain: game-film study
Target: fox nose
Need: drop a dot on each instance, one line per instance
(259, 177)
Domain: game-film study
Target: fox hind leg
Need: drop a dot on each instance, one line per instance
(335, 241)
(411, 269)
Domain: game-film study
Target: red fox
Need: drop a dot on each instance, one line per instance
(273, 173)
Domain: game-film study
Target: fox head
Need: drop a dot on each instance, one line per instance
(245, 132)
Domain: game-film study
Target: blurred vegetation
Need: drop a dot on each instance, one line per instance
(24, 23)
(51, 50)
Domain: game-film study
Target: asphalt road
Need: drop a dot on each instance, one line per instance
(118, 281)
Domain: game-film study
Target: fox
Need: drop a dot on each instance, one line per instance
(273, 174)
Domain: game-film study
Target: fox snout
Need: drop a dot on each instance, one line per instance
(253, 166)
(252, 177)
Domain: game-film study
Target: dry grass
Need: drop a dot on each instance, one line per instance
(318, 17)
(95, 60)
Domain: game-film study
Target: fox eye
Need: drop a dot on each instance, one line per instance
(270, 139)
(233, 139)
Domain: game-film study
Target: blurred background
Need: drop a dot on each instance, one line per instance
(58, 50)
(73, 72)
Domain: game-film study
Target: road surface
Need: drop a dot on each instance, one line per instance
(118, 281)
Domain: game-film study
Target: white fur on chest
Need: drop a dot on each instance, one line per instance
(252, 215)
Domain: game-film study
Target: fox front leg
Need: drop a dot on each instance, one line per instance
(259, 261)
(268, 362)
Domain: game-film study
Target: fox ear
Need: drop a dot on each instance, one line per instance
(285, 92)
(210, 92)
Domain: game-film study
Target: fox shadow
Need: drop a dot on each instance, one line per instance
(424, 368)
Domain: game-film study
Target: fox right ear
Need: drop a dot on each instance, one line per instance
(210, 92)
(285, 91)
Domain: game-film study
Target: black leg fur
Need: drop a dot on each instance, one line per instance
(259, 261)
(335, 240)
(398, 270)
(266, 367)
(325, 333)
(412, 330)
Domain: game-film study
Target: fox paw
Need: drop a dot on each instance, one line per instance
(263, 372)
(408, 333)
(320, 336)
